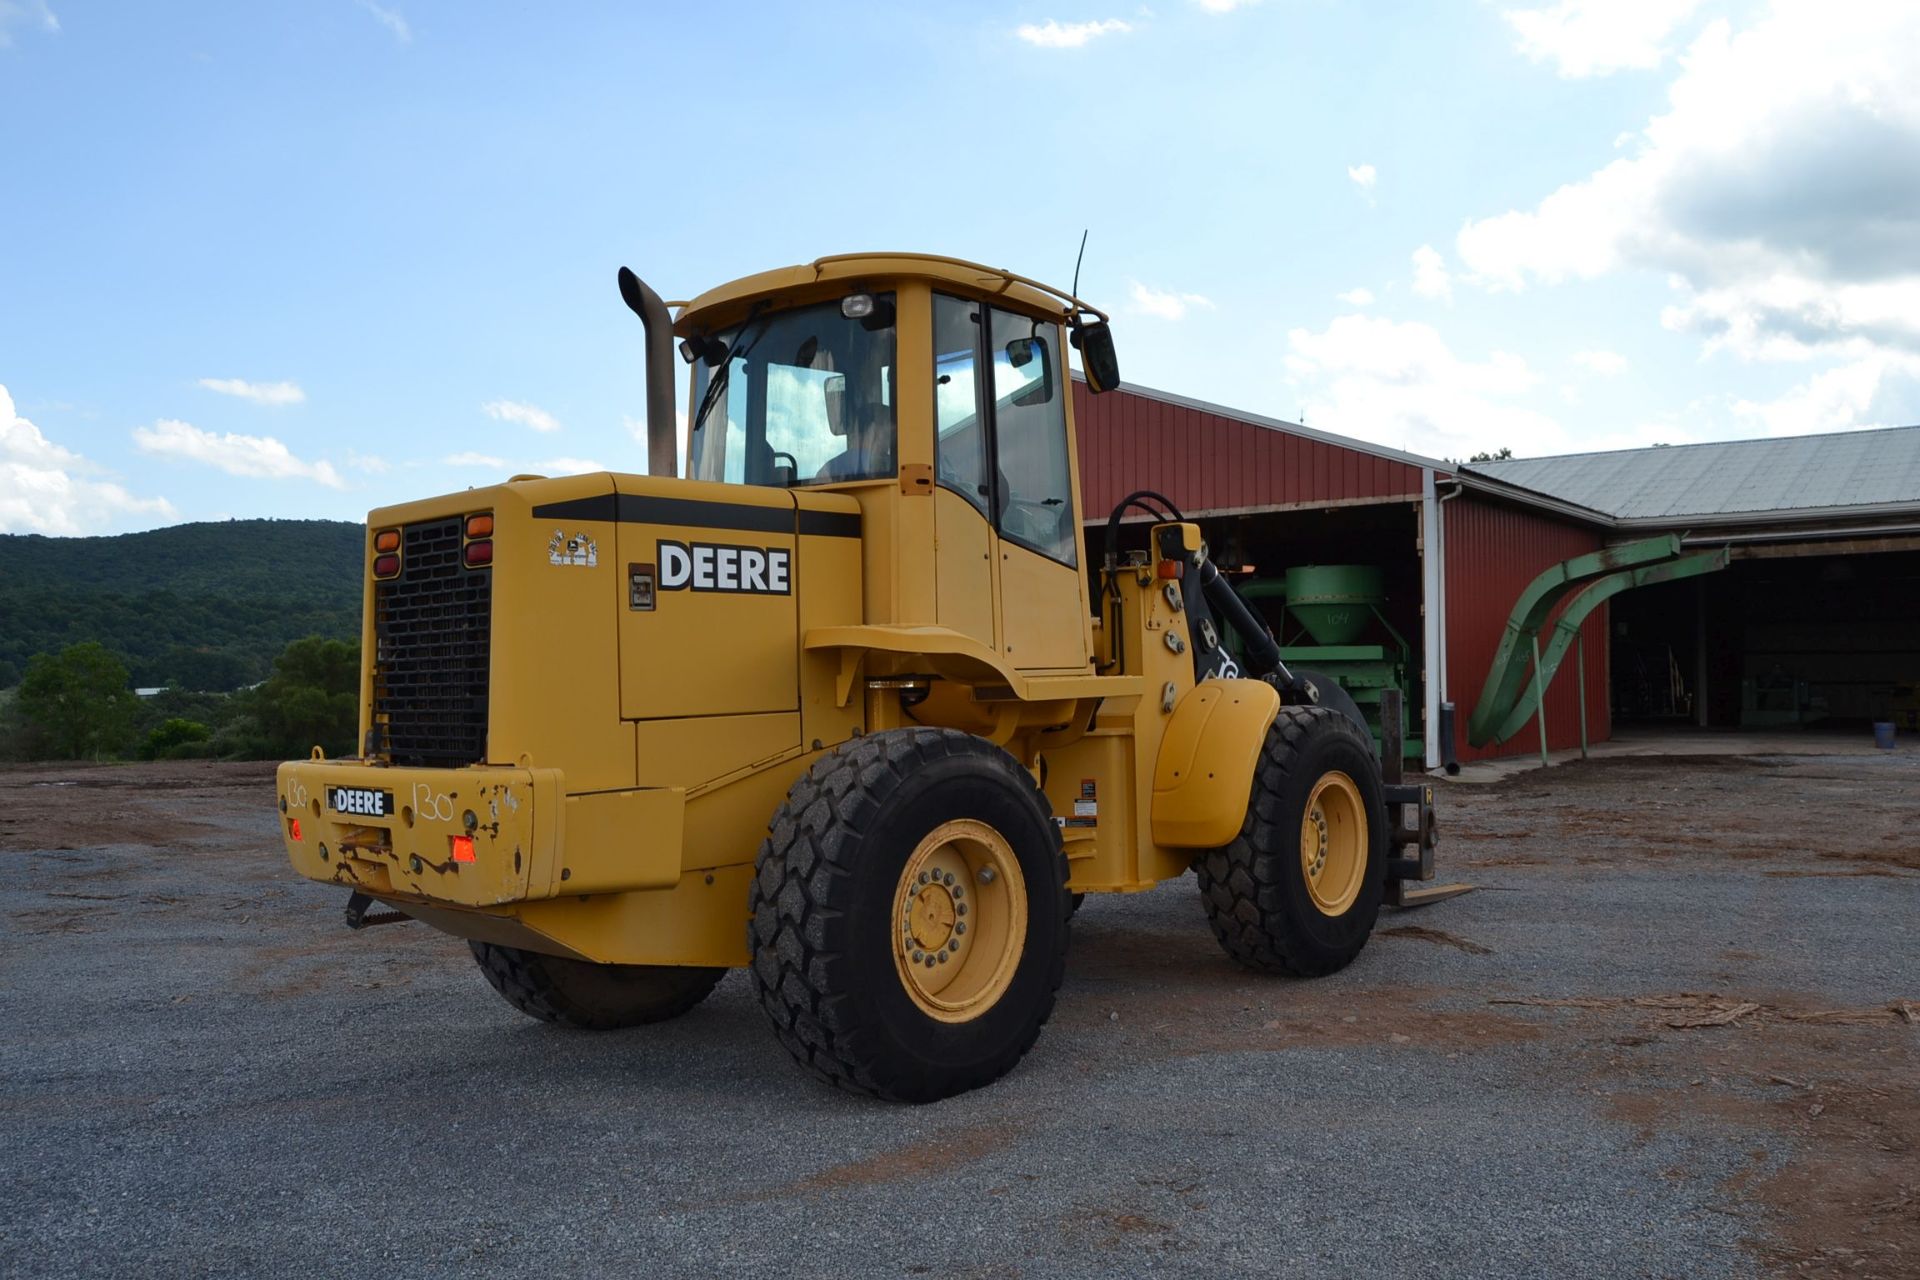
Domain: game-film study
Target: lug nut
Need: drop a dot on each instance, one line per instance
(960, 909)
(959, 891)
(947, 877)
(918, 956)
(960, 928)
(943, 957)
(923, 877)
(930, 962)
(986, 875)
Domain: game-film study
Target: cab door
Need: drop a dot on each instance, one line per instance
(965, 545)
(1045, 617)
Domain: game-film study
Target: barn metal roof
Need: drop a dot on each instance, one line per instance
(1791, 477)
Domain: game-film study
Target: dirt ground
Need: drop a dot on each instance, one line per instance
(1674, 1032)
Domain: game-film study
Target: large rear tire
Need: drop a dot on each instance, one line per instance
(592, 997)
(910, 915)
(1298, 890)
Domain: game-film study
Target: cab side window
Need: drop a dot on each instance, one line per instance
(1030, 436)
(960, 434)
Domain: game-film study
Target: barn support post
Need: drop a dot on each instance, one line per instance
(1540, 700)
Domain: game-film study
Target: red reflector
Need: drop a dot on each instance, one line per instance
(386, 566)
(293, 827)
(479, 526)
(479, 553)
(387, 540)
(1169, 568)
(462, 848)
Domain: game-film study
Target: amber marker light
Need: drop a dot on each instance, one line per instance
(480, 526)
(462, 848)
(387, 540)
(1169, 568)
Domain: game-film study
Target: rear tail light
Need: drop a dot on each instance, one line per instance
(479, 554)
(386, 566)
(293, 827)
(462, 848)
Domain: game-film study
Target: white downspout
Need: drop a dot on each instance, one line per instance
(1433, 613)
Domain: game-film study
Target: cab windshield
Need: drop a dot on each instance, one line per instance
(799, 397)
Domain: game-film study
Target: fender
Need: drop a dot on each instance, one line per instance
(1204, 771)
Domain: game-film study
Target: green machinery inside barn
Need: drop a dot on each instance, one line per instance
(1332, 625)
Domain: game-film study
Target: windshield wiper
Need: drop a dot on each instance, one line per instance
(737, 352)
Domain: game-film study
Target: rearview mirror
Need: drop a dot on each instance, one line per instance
(1022, 352)
(1097, 356)
(835, 390)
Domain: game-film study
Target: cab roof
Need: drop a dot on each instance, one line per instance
(829, 276)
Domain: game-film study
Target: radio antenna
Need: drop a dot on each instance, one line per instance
(1075, 291)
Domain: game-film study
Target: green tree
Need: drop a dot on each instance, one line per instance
(167, 740)
(1501, 456)
(312, 698)
(79, 701)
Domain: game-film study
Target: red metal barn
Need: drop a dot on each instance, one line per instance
(1456, 549)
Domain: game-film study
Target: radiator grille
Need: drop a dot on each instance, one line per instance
(432, 627)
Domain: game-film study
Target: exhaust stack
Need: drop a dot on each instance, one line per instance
(663, 442)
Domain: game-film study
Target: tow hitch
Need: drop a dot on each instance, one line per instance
(358, 917)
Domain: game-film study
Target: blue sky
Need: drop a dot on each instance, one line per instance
(303, 260)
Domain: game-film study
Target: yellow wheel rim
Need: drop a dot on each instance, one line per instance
(959, 920)
(1333, 843)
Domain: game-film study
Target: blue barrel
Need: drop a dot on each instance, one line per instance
(1883, 734)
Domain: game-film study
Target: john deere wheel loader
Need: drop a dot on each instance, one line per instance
(836, 706)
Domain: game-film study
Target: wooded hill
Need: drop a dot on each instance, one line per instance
(206, 606)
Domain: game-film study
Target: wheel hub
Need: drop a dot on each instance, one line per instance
(931, 915)
(960, 920)
(1334, 843)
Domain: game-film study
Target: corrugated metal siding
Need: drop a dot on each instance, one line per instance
(1492, 552)
(1210, 463)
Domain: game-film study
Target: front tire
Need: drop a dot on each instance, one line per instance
(910, 913)
(592, 997)
(1298, 890)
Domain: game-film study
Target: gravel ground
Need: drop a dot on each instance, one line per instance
(1671, 1035)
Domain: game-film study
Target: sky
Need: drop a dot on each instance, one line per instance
(304, 260)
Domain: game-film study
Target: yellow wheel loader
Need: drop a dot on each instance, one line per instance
(837, 701)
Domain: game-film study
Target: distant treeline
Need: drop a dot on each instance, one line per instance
(201, 607)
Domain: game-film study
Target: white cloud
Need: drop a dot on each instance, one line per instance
(1780, 191)
(1070, 35)
(1397, 383)
(527, 415)
(1839, 399)
(370, 463)
(237, 455)
(391, 20)
(1225, 6)
(46, 488)
(274, 393)
(1356, 297)
(1165, 305)
(19, 13)
(1430, 276)
(1595, 37)
(1604, 363)
(486, 460)
(1363, 175)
